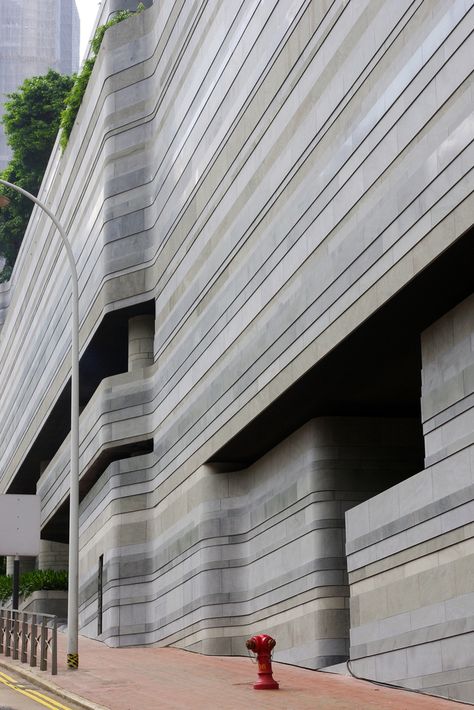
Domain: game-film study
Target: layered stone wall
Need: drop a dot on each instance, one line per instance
(318, 160)
(232, 553)
(411, 548)
(53, 555)
(269, 175)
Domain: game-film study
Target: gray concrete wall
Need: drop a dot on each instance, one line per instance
(46, 601)
(411, 548)
(233, 553)
(271, 179)
(260, 261)
(53, 555)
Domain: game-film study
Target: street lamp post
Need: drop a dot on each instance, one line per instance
(73, 573)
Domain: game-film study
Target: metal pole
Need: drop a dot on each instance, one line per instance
(73, 573)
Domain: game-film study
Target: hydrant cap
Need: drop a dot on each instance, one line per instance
(250, 643)
(261, 642)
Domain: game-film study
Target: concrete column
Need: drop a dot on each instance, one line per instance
(53, 555)
(141, 332)
(26, 564)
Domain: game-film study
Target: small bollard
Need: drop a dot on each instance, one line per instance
(262, 645)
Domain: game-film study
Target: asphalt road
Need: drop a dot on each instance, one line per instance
(19, 694)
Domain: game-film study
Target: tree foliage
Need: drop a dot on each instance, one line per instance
(76, 94)
(31, 122)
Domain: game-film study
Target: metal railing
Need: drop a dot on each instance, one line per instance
(28, 637)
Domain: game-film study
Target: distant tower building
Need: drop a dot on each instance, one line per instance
(35, 35)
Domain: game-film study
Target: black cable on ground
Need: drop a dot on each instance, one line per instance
(402, 687)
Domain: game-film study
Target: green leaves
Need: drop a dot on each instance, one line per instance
(74, 100)
(33, 581)
(5, 587)
(31, 117)
(42, 579)
(76, 94)
(31, 121)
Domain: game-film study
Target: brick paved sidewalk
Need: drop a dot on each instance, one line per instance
(168, 679)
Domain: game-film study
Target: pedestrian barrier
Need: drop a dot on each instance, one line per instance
(28, 637)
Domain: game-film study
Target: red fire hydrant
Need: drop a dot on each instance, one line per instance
(263, 645)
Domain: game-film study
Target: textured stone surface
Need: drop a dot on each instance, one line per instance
(269, 178)
(246, 251)
(53, 555)
(227, 553)
(410, 570)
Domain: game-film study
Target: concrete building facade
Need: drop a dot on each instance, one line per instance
(35, 37)
(271, 207)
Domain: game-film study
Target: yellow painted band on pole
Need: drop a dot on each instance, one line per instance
(73, 660)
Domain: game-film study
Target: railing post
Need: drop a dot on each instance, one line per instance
(33, 632)
(30, 642)
(43, 647)
(15, 635)
(54, 649)
(8, 638)
(2, 629)
(24, 638)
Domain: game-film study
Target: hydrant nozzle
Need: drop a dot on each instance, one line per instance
(263, 645)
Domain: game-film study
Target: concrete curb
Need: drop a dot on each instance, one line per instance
(47, 684)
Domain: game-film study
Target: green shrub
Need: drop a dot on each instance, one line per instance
(5, 587)
(33, 581)
(42, 579)
(74, 99)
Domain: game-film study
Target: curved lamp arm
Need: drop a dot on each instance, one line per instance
(73, 573)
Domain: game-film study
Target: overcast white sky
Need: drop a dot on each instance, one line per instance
(87, 10)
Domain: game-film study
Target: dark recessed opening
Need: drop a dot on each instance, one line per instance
(57, 529)
(376, 371)
(106, 355)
